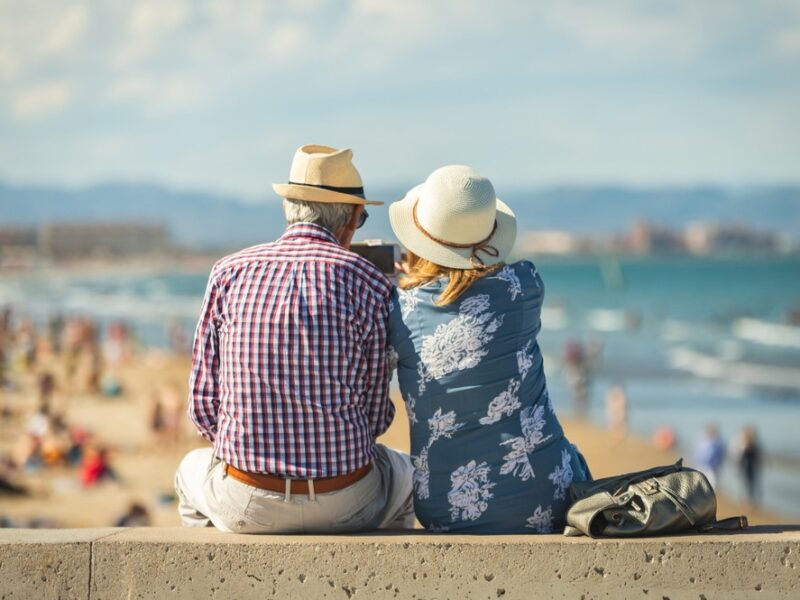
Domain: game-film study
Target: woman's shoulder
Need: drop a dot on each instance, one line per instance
(519, 277)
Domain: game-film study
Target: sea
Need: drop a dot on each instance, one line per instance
(692, 341)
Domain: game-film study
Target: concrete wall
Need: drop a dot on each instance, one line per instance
(182, 563)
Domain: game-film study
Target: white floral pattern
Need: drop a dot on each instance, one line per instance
(517, 462)
(422, 475)
(471, 491)
(505, 403)
(460, 343)
(392, 357)
(524, 360)
(508, 275)
(440, 425)
(535, 275)
(562, 476)
(411, 404)
(408, 301)
(533, 423)
(541, 520)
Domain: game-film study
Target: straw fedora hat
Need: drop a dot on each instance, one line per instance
(455, 219)
(323, 174)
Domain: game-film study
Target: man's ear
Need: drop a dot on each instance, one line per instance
(346, 235)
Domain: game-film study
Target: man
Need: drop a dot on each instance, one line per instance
(290, 377)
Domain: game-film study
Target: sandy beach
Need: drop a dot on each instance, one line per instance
(145, 466)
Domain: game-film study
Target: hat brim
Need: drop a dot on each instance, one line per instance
(310, 193)
(402, 221)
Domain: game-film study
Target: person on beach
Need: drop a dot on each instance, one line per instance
(290, 375)
(709, 454)
(748, 454)
(488, 451)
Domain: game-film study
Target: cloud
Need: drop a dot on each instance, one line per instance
(69, 30)
(788, 40)
(553, 80)
(148, 22)
(159, 96)
(41, 100)
(286, 40)
(8, 63)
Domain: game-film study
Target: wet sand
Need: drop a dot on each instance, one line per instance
(146, 467)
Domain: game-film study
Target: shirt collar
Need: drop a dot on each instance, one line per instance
(310, 231)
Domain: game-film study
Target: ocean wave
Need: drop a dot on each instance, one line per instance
(767, 333)
(675, 330)
(607, 320)
(706, 366)
(554, 318)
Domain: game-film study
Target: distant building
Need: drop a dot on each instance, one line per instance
(81, 240)
(646, 238)
(554, 242)
(17, 238)
(708, 238)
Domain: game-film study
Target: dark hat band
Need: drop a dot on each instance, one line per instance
(352, 191)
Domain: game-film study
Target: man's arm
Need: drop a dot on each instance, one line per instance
(203, 382)
(381, 410)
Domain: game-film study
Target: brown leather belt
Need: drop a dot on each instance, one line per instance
(273, 483)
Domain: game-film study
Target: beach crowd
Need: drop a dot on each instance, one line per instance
(43, 370)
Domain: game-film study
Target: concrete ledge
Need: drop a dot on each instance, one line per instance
(763, 562)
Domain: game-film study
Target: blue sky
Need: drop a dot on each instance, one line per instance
(218, 94)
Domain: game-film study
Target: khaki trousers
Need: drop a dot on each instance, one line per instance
(380, 500)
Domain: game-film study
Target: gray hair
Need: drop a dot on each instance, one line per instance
(331, 216)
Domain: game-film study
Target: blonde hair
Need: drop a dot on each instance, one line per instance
(422, 271)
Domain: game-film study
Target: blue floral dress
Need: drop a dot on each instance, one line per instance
(489, 453)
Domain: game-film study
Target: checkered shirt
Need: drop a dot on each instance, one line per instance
(289, 368)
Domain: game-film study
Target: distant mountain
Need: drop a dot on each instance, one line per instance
(603, 209)
(202, 220)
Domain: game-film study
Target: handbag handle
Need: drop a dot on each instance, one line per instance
(729, 524)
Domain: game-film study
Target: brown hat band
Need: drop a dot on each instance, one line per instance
(481, 246)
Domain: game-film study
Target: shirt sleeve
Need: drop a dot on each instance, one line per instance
(380, 408)
(203, 381)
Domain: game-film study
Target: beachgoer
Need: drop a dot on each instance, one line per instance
(8, 485)
(488, 450)
(137, 515)
(617, 412)
(664, 437)
(290, 379)
(96, 467)
(47, 386)
(709, 454)
(40, 423)
(749, 459)
(580, 362)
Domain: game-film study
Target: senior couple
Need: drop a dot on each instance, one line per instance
(296, 343)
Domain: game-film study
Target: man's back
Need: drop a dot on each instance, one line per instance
(289, 372)
(290, 378)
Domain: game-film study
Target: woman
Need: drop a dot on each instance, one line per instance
(488, 451)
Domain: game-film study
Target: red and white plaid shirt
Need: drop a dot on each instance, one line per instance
(289, 368)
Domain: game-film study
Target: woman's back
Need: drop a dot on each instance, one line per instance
(489, 453)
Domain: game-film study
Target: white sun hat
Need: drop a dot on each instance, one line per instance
(323, 174)
(455, 220)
